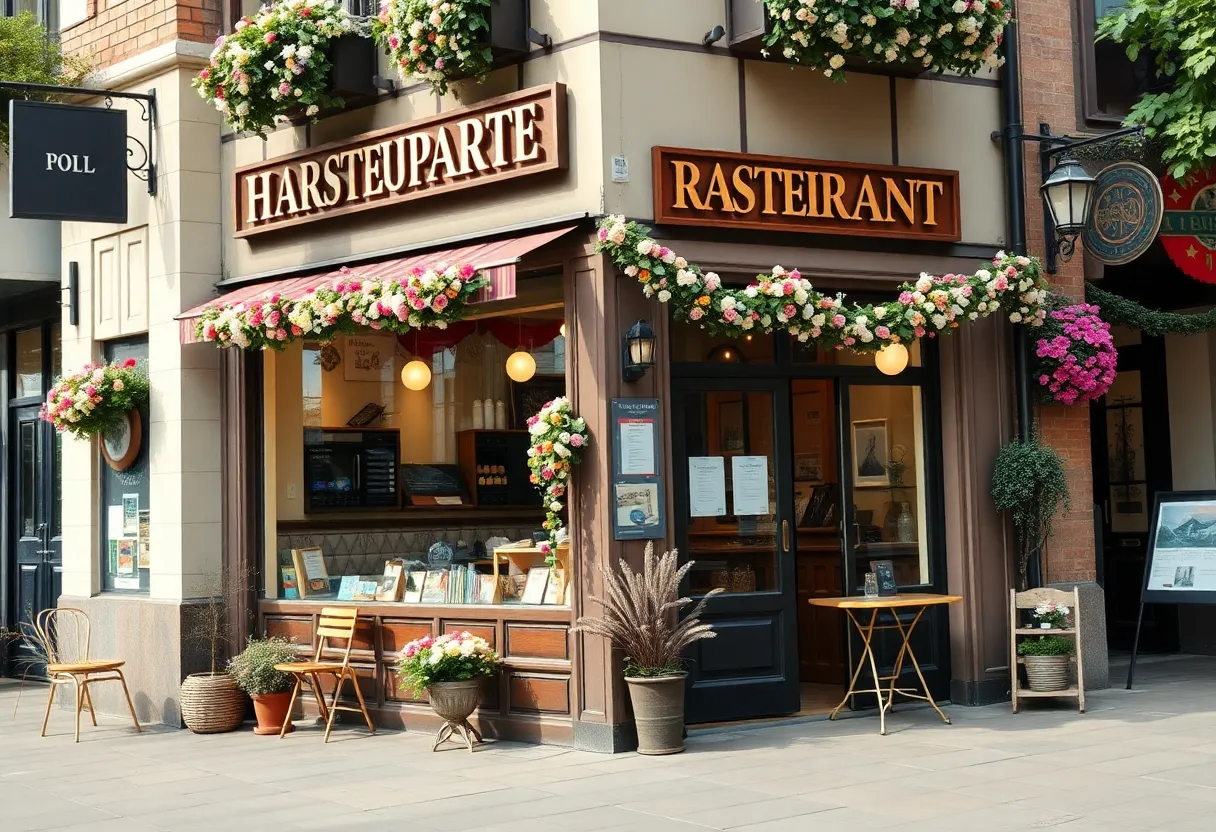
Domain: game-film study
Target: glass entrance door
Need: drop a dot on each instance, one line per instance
(37, 524)
(733, 477)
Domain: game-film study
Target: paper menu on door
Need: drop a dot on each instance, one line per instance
(706, 486)
(749, 474)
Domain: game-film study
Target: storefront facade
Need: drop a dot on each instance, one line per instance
(261, 456)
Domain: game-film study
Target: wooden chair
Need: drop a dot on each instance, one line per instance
(64, 634)
(339, 623)
(1028, 600)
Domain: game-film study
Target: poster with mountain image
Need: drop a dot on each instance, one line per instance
(1184, 554)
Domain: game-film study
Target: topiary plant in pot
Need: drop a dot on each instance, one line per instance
(1028, 482)
(254, 671)
(641, 617)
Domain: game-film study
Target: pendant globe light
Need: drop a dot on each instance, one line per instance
(416, 375)
(891, 359)
(521, 366)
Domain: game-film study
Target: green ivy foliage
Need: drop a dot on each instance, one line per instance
(1152, 322)
(1046, 646)
(1181, 36)
(1028, 483)
(28, 55)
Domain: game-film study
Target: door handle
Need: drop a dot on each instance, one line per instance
(785, 535)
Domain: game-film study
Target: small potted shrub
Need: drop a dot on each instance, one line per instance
(641, 617)
(1046, 659)
(452, 670)
(254, 671)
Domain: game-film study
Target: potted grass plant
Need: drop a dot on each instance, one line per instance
(270, 689)
(211, 701)
(642, 618)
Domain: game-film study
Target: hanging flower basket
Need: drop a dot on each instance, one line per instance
(1076, 356)
(558, 439)
(423, 298)
(276, 64)
(96, 398)
(961, 36)
(436, 43)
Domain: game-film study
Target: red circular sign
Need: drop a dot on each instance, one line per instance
(1188, 229)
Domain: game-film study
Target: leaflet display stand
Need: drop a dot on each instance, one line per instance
(1180, 567)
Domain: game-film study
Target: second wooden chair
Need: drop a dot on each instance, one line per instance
(335, 623)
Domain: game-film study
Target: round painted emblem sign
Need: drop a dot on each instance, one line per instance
(1126, 214)
(1188, 231)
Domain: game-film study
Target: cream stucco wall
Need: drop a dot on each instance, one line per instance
(182, 250)
(30, 247)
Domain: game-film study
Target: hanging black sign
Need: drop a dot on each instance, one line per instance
(67, 162)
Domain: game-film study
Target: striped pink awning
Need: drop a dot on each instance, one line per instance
(498, 260)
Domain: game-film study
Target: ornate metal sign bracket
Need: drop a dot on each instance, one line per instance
(141, 163)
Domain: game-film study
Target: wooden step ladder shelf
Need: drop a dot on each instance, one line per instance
(1027, 601)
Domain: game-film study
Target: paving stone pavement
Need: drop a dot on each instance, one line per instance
(1139, 760)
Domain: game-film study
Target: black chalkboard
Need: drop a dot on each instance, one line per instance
(433, 481)
(884, 573)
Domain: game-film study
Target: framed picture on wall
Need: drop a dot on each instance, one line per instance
(367, 357)
(870, 453)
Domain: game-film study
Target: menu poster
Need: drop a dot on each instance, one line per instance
(130, 515)
(706, 486)
(1181, 566)
(750, 477)
(640, 510)
(145, 539)
(127, 553)
(637, 446)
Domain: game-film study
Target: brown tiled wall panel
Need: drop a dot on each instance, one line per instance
(115, 31)
(531, 641)
(539, 693)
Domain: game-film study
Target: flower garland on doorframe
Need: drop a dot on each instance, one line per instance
(558, 439)
(95, 398)
(786, 301)
(436, 41)
(1076, 355)
(432, 297)
(275, 63)
(958, 35)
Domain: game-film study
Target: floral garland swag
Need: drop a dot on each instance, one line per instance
(558, 440)
(1075, 359)
(433, 297)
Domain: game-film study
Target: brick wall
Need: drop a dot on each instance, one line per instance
(119, 29)
(1045, 36)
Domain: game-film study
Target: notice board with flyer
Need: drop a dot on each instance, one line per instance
(1180, 567)
(638, 508)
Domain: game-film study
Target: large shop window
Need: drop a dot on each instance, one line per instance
(400, 462)
(126, 509)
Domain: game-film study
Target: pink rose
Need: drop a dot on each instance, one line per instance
(576, 441)
(790, 310)
(440, 303)
(205, 74)
(838, 320)
(905, 298)
(118, 385)
(418, 303)
(1002, 284)
(284, 88)
(788, 288)
(882, 332)
(696, 314)
(730, 316)
(270, 37)
(90, 391)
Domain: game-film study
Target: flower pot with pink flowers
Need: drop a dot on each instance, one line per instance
(99, 399)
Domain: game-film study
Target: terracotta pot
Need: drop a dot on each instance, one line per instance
(212, 703)
(1045, 674)
(271, 710)
(658, 712)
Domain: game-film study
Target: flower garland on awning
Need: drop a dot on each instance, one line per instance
(423, 298)
(786, 301)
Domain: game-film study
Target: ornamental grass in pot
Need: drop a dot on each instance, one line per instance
(1046, 661)
(254, 671)
(642, 618)
(211, 702)
(452, 669)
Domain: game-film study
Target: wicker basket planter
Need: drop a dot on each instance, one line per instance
(212, 703)
(1045, 674)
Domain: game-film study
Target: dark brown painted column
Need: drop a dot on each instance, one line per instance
(600, 307)
(977, 418)
(242, 456)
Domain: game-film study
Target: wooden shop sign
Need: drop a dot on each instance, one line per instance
(522, 134)
(779, 193)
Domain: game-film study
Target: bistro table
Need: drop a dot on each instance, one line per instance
(855, 607)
